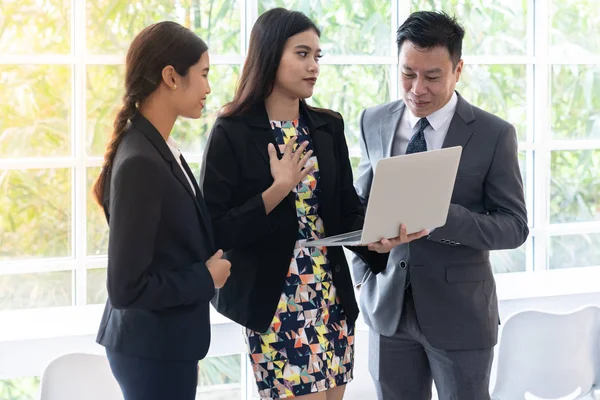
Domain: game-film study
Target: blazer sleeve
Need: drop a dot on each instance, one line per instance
(352, 210)
(504, 224)
(234, 225)
(135, 212)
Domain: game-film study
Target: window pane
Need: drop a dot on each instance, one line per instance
(574, 251)
(341, 90)
(104, 90)
(220, 370)
(35, 110)
(347, 27)
(20, 388)
(504, 261)
(97, 227)
(354, 161)
(36, 213)
(575, 102)
(574, 28)
(35, 26)
(112, 25)
(192, 134)
(523, 161)
(490, 29)
(574, 187)
(96, 286)
(48, 289)
(498, 89)
(220, 377)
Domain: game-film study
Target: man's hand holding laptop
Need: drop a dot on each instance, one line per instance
(386, 245)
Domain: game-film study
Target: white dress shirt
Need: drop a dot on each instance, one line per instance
(174, 147)
(435, 133)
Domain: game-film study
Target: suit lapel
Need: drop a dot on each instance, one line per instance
(262, 135)
(459, 131)
(159, 143)
(201, 205)
(261, 139)
(389, 126)
(176, 170)
(324, 147)
(323, 143)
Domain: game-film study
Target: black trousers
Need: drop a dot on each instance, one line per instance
(145, 379)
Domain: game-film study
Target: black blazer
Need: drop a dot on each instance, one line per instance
(235, 172)
(159, 288)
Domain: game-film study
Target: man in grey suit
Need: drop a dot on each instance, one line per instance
(433, 312)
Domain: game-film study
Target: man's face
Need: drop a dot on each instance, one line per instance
(427, 78)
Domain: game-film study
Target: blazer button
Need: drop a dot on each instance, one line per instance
(337, 268)
(403, 264)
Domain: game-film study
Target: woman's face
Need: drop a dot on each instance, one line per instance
(299, 66)
(190, 96)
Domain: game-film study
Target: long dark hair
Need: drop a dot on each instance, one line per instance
(157, 46)
(267, 41)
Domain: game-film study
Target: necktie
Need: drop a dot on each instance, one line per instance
(417, 142)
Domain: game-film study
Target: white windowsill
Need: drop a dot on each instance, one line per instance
(559, 282)
(44, 323)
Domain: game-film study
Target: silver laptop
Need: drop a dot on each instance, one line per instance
(413, 189)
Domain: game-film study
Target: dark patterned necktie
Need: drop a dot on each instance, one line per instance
(417, 143)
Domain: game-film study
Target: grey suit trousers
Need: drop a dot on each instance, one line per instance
(404, 365)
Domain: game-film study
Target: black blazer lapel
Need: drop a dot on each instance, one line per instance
(324, 147)
(200, 204)
(260, 129)
(323, 143)
(159, 143)
(262, 135)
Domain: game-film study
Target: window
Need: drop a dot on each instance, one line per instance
(534, 63)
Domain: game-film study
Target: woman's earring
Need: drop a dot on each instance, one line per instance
(174, 87)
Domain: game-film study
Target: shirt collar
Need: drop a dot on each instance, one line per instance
(437, 118)
(174, 147)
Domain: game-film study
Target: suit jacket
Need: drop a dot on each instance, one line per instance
(235, 173)
(451, 276)
(159, 287)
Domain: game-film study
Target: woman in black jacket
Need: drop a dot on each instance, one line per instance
(162, 265)
(276, 172)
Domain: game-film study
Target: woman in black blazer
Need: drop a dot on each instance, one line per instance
(276, 172)
(162, 265)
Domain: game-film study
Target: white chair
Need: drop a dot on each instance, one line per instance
(546, 356)
(79, 377)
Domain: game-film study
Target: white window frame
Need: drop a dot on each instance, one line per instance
(535, 281)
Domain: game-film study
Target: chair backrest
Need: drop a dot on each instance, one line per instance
(79, 376)
(571, 396)
(548, 356)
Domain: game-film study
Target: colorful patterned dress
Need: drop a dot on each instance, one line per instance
(309, 346)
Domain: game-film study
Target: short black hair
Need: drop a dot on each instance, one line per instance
(428, 29)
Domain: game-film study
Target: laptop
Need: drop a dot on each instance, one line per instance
(413, 189)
